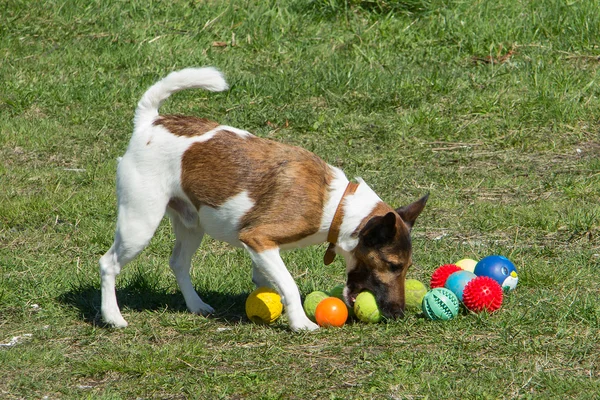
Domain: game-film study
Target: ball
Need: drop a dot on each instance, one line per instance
(331, 312)
(414, 291)
(456, 282)
(263, 306)
(366, 308)
(311, 302)
(467, 264)
(440, 304)
(439, 276)
(338, 291)
(500, 269)
(482, 294)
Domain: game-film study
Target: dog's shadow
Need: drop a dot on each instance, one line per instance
(139, 295)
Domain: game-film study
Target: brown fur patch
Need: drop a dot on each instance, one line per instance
(288, 185)
(181, 125)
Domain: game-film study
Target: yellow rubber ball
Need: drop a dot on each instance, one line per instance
(263, 306)
(468, 264)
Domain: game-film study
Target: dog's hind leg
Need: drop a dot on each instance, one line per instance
(134, 231)
(187, 241)
(140, 211)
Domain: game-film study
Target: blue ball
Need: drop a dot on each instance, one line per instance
(457, 281)
(500, 269)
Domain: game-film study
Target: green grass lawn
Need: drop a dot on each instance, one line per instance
(493, 107)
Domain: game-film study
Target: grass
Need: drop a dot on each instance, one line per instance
(492, 107)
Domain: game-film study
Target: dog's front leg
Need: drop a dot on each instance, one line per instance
(270, 266)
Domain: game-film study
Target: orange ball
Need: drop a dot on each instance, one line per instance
(331, 312)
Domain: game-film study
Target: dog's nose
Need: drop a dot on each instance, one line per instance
(393, 311)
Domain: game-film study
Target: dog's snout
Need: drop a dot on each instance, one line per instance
(393, 311)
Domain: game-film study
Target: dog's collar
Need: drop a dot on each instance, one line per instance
(336, 224)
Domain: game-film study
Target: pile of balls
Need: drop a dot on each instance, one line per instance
(263, 306)
(327, 309)
(476, 285)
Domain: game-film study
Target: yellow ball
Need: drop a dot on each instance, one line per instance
(263, 306)
(365, 308)
(467, 264)
(414, 291)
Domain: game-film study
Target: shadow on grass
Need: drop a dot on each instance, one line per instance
(140, 295)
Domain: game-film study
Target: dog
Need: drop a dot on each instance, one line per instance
(253, 193)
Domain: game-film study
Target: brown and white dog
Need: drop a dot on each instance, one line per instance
(253, 193)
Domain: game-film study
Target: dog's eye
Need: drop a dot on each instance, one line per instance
(396, 267)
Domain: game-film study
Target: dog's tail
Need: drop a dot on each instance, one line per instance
(207, 78)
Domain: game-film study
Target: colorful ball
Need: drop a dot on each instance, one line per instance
(311, 302)
(500, 269)
(366, 309)
(439, 276)
(440, 304)
(467, 264)
(414, 291)
(331, 312)
(482, 294)
(456, 282)
(263, 306)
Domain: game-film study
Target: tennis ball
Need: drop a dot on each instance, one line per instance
(414, 291)
(467, 264)
(311, 302)
(263, 306)
(366, 309)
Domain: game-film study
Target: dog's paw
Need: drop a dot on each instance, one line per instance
(304, 325)
(201, 308)
(115, 322)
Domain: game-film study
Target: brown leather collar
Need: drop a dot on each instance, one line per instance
(336, 224)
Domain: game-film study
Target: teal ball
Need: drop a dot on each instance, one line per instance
(457, 281)
(440, 304)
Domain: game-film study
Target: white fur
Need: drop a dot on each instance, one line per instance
(148, 177)
(222, 223)
(357, 207)
(207, 78)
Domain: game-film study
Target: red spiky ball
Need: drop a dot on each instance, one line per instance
(482, 294)
(439, 276)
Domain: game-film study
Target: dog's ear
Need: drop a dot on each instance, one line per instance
(379, 230)
(410, 212)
